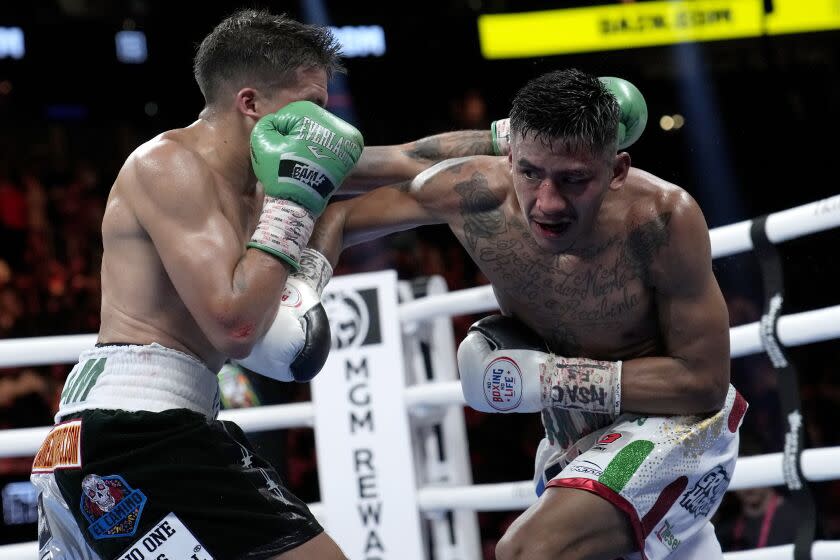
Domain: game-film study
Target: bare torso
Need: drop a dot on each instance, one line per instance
(139, 302)
(593, 301)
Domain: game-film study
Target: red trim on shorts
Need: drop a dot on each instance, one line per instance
(610, 495)
(663, 503)
(739, 408)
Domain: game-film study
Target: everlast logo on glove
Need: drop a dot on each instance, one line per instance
(344, 149)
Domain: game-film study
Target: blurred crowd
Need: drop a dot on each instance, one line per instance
(51, 205)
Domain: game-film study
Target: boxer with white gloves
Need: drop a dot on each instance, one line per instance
(614, 327)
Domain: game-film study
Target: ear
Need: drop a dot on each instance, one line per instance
(246, 102)
(510, 161)
(621, 167)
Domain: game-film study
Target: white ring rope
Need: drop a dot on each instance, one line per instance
(794, 330)
(763, 470)
(750, 472)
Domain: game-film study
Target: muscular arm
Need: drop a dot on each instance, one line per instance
(232, 293)
(431, 198)
(383, 165)
(693, 376)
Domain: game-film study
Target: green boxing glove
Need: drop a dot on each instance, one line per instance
(300, 154)
(631, 121)
(633, 110)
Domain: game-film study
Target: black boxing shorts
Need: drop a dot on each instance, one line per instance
(167, 485)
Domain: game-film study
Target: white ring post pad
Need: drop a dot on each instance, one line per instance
(362, 434)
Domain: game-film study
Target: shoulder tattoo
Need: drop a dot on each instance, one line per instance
(645, 241)
(480, 210)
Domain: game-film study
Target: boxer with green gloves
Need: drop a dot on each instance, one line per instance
(613, 327)
(633, 115)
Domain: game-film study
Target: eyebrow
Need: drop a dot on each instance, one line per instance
(522, 162)
(577, 172)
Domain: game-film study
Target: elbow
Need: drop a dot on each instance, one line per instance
(711, 395)
(235, 337)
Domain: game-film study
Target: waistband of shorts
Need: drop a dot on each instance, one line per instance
(139, 378)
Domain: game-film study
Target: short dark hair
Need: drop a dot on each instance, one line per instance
(260, 48)
(568, 106)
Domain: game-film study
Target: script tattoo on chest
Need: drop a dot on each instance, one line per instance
(584, 291)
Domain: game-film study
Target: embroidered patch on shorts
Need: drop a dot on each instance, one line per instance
(706, 492)
(169, 539)
(62, 448)
(111, 505)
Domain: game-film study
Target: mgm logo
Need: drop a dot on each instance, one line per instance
(354, 317)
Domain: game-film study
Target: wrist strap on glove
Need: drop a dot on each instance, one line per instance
(500, 131)
(283, 230)
(580, 383)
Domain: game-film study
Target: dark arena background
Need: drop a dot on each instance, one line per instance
(747, 122)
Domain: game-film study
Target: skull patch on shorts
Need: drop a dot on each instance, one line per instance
(111, 505)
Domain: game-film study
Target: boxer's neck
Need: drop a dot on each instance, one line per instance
(224, 142)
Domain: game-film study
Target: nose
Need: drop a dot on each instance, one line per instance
(550, 200)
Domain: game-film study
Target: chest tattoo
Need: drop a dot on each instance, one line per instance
(594, 290)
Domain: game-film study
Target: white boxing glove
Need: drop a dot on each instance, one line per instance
(504, 368)
(297, 344)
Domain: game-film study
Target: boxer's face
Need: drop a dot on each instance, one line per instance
(310, 85)
(560, 191)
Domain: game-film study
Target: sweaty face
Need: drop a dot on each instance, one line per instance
(310, 85)
(559, 191)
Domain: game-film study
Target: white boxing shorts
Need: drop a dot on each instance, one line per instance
(667, 473)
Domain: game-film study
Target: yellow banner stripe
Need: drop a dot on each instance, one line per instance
(797, 16)
(646, 24)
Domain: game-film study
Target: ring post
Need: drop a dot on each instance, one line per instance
(362, 437)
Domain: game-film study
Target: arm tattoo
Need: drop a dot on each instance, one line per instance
(644, 242)
(452, 144)
(480, 209)
(425, 149)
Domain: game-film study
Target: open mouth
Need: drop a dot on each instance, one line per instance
(552, 229)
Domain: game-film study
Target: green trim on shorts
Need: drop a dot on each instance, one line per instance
(625, 464)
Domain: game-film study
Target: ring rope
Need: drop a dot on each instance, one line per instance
(794, 330)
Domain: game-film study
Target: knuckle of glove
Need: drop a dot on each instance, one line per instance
(503, 332)
(316, 348)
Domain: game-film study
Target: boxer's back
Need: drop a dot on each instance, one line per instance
(139, 302)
